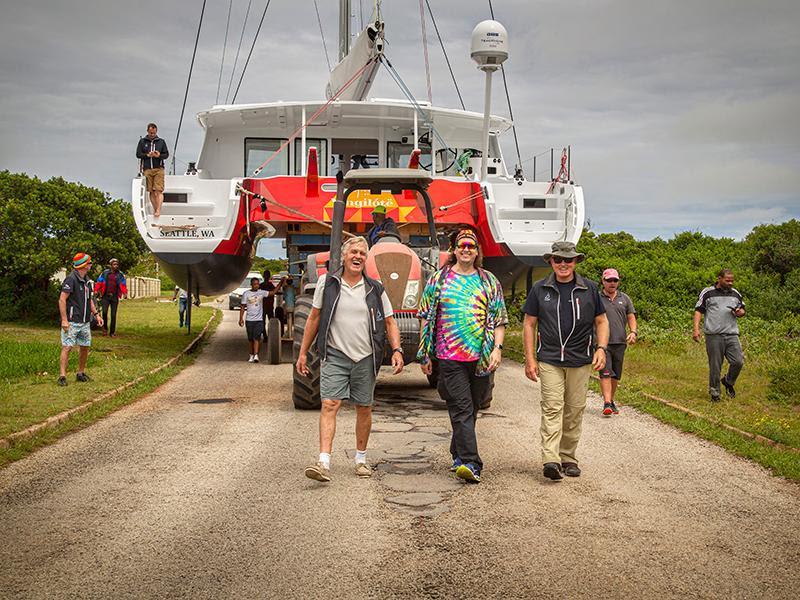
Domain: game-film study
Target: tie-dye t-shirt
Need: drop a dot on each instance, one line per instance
(461, 318)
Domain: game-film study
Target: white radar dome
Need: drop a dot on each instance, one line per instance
(489, 46)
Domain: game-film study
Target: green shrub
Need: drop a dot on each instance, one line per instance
(784, 383)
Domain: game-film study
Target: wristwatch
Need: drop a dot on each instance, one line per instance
(499, 346)
(400, 350)
(602, 347)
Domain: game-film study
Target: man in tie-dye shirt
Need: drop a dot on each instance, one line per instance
(463, 317)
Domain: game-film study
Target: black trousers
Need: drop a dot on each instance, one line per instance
(113, 302)
(463, 392)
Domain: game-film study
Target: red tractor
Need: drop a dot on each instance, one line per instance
(403, 271)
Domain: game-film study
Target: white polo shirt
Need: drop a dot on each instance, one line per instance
(349, 329)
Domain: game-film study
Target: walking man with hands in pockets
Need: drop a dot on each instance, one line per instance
(562, 312)
(351, 317)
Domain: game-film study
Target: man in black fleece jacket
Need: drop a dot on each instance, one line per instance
(152, 151)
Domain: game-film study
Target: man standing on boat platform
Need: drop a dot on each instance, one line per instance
(152, 152)
(720, 306)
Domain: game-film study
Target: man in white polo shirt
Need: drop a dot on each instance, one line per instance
(353, 316)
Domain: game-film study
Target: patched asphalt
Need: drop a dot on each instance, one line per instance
(197, 491)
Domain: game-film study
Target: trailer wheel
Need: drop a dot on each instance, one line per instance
(274, 341)
(305, 389)
(487, 400)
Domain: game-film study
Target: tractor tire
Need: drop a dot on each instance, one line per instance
(274, 341)
(433, 378)
(305, 389)
(487, 400)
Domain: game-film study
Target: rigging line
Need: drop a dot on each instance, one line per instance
(247, 62)
(314, 116)
(188, 81)
(224, 47)
(441, 43)
(425, 50)
(508, 99)
(236, 60)
(361, 13)
(407, 93)
(322, 34)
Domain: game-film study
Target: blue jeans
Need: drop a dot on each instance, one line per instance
(181, 309)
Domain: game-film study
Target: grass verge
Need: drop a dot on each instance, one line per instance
(672, 367)
(148, 337)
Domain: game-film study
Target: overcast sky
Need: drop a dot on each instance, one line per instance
(682, 115)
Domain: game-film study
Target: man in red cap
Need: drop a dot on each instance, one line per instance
(621, 317)
(77, 308)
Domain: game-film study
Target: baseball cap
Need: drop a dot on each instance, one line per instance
(610, 274)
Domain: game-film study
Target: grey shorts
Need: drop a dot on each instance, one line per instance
(255, 330)
(78, 334)
(343, 379)
(615, 356)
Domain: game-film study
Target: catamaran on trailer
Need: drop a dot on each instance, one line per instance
(269, 169)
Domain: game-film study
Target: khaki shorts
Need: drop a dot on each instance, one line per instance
(154, 179)
(343, 379)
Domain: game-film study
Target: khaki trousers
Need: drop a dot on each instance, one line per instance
(563, 400)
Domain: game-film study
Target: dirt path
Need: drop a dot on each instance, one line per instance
(197, 491)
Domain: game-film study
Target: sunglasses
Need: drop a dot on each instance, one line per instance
(560, 259)
(612, 280)
(466, 246)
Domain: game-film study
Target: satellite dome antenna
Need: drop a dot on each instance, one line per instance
(489, 48)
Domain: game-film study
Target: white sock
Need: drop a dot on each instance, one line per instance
(325, 459)
(361, 457)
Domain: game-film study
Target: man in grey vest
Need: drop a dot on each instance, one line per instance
(722, 306)
(353, 317)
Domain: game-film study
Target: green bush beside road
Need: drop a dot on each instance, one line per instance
(148, 336)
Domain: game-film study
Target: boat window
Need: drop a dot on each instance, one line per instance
(351, 153)
(322, 154)
(257, 150)
(398, 153)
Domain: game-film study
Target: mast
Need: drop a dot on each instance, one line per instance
(344, 28)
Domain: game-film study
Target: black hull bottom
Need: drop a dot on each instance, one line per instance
(211, 274)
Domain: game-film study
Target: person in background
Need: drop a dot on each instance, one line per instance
(382, 225)
(289, 294)
(182, 297)
(253, 306)
(110, 287)
(562, 313)
(269, 299)
(76, 306)
(463, 321)
(353, 316)
(721, 306)
(152, 152)
(621, 317)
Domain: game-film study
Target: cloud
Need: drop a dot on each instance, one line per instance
(680, 115)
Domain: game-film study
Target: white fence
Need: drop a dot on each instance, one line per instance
(144, 287)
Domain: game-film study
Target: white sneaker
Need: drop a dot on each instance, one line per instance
(251, 359)
(255, 357)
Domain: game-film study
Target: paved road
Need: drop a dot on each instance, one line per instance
(188, 495)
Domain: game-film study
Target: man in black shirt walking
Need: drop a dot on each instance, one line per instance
(566, 309)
